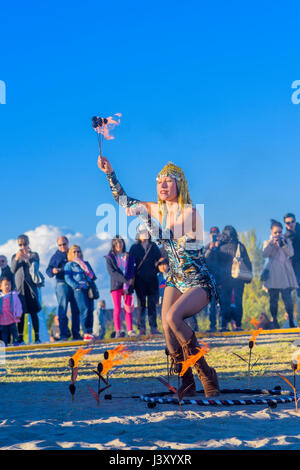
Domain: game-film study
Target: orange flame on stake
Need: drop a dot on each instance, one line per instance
(109, 126)
(255, 334)
(111, 362)
(78, 355)
(191, 360)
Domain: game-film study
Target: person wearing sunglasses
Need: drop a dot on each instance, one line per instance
(79, 275)
(64, 293)
(293, 233)
(6, 271)
(280, 276)
(27, 289)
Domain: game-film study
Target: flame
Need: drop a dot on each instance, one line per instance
(111, 362)
(254, 322)
(191, 360)
(255, 334)
(78, 355)
(108, 126)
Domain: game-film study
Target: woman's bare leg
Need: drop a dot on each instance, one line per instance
(189, 303)
(171, 295)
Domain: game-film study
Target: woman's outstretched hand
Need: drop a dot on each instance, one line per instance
(104, 165)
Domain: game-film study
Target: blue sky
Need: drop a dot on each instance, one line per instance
(207, 86)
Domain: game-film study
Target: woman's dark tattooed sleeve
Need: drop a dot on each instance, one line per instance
(119, 193)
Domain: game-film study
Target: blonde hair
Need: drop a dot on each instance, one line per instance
(70, 252)
(175, 172)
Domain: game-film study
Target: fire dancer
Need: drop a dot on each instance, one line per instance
(189, 286)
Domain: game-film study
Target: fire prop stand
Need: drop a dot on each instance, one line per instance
(153, 399)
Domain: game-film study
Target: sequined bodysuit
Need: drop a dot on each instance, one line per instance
(187, 264)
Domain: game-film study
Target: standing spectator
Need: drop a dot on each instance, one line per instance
(120, 266)
(10, 311)
(55, 330)
(146, 254)
(79, 276)
(101, 316)
(211, 258)
(231, 287)
(64, 293)
(293, 234)
(280, 277)
(6, 271)
(21, 265)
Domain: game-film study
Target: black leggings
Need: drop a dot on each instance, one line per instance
(286, 295)
(30, 305)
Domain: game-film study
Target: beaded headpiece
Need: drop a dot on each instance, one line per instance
(175, 172)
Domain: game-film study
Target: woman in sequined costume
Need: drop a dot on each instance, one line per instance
(189, 286)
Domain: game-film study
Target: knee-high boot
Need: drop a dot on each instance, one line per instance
(188, 379)
(206, 374)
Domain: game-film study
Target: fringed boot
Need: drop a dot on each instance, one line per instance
(188, 378)
(206, 374)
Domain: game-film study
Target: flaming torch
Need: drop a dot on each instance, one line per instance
(103, 127)
(251, 346)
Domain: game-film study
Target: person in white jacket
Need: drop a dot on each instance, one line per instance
(280, 276)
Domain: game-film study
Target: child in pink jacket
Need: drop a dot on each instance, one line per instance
(10, 311)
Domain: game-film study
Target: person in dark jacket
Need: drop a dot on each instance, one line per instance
(5, 271)
(231, 290)
(211, 257)
(64, 293)
(21, 264)
(146, 255)
(79, 275)
(293, 233)
(120, 266)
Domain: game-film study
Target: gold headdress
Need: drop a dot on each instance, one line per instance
(174, 171)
